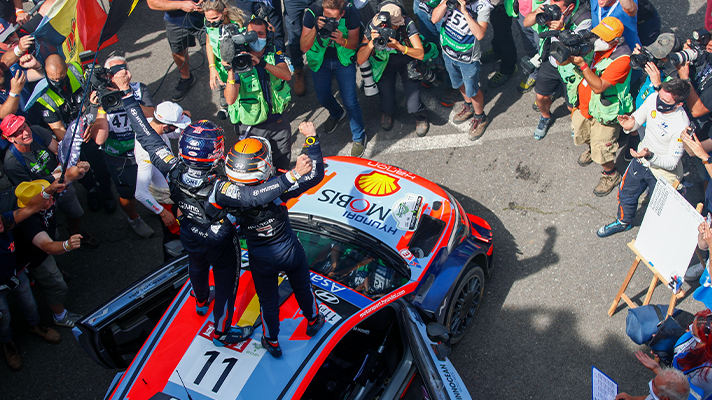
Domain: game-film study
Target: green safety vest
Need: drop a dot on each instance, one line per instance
(214, 38)
(379, 59)
(251, 107)
(315, 55)
(509, 8)
(614, 101)
(51, 100)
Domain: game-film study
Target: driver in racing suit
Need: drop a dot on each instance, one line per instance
(199, 187)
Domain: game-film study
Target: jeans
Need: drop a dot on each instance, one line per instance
(430, 31)
(293, 16)
(346, 79)
(23, 295)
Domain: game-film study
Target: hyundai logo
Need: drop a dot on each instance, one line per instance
(326, 296)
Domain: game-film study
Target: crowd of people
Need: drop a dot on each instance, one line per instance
(608, 59)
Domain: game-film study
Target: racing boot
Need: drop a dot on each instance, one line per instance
(202, 307)
(314, 325)
(235, 334)
(272, 347)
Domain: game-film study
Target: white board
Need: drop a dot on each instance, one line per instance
(602, 387)
(668, 234)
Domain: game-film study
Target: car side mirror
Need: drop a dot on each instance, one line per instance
(440, 336)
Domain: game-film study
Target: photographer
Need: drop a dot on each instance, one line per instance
(603, 95)
(463, 28)
(575, 17)
(387, 63)
(258, 98)
(330, 37)
(658, 154)
(114, 133)
(217, 15)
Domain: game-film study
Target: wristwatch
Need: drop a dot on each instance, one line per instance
(707, 161)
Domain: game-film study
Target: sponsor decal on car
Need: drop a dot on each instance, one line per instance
(363, 211)
(376, 184)
(391, 169)
(406, 211)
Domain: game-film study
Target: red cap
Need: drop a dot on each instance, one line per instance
(11, 124)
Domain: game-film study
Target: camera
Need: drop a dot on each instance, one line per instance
(550, 12)
(232, 43)
(453, 4)
(638, 61)
(529, 65)
(570, 44)
(385, 32)
(330, 25)
(419, 71)
(702, 36)
(109, 98)
(700, 39)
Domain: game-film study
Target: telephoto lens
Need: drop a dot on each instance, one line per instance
(369, 86)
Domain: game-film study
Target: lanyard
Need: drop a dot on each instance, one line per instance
(609, 11)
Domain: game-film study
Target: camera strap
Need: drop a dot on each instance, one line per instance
(608, 14)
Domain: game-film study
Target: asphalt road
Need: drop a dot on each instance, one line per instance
(543, 322)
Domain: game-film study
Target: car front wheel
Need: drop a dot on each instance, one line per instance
(464, 303)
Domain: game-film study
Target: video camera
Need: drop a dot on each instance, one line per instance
(550, 12)
(570, 43)
(385, 32)
(700, 38)
(109, 97)
(232, 43)
(330, 25)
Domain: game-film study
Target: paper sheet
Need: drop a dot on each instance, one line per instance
(602, 387)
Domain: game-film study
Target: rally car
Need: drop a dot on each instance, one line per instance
(398, 268)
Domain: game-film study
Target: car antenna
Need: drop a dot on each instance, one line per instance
(181, 382)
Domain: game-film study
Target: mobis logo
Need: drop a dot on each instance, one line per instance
(359, 210)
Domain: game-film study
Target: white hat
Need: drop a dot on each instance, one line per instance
(171, 114)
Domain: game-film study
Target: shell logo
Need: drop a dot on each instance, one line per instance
(376, 184)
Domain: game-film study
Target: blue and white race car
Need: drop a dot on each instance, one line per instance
(398, 268)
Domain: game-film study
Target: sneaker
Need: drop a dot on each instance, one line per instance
(300, 87)
(422, 126)
(88, 241)
(273, 348)
(613, 228)
(222, 114)
(450, 97)
(314, 326)
(465, 112)
(48, 334)
(499, 79)
(94, 199)
(358, 148)
(489, 56)
(141, 228)
(607, 183)
(202, 307)
(694, 272)
(109, 203)
(182, 87)
(526, 85)
(12, 356)
(331, 122)
(477, 127)
(235, 334)
(535, 107)
(69, 321)
(223, 102)
(542, 128)
(585, 158)
(386, 122)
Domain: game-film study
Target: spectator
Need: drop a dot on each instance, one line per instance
(658, 154)
(393, 60)
(36, 246)
(625, 11)
(295, 12)
(333, 55)
(602, 96)
(464, 27)
(575, 17)
(13, 280)
(114, 133)
(32, 156)
(184, 25)
(218, 14)
(668, 384)
(14, 92)
(258, 98)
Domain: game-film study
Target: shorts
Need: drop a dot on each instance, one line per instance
(123, 172)
(50, 279)
(464, 74)
(69, 203)
(603, 139)
(549, 81)
(180, 38)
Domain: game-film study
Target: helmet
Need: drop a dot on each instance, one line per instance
(250, 161)
(202, 144)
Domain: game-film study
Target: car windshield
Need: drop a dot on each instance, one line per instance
(350, 264)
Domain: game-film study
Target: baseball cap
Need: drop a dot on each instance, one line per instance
(663, 45)
(10, 125)
(609, 29)
(395, 12)
(25, 191)
(171, 113)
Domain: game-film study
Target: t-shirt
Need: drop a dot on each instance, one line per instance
(120, 142)
(39, 161)
(457, 40)
(662, 133)
(352, 19)
(27, 253)
(630, 24)
(177, 17)
(615, 73)
(397, 59)
(8, 261)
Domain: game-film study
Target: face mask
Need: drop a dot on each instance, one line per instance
(601, 45)
(55, 84)
(259, 44)
(663, 107)
(652, 394)
(214, 24)
(693, 336)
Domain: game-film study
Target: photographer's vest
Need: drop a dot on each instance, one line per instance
(616, 100)
(315, 55)
(251, 107)
(120, 142)
(379, 59)
(53, 101)
(214, 38)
